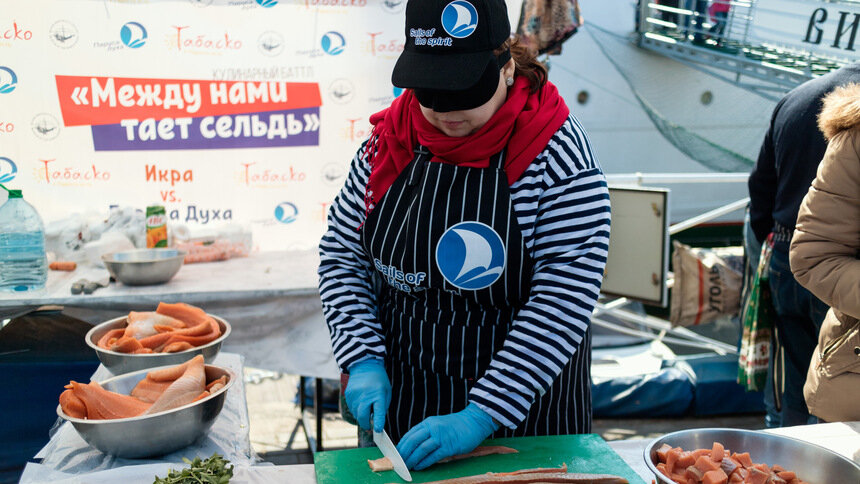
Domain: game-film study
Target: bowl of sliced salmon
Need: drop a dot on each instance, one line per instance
(172, 334)
(728, 456)
(149, 412)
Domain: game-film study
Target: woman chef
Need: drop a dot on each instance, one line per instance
(465, 252)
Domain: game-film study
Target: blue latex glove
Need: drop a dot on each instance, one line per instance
(436, 438)
(368, 391)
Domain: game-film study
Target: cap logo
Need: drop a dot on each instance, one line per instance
(459, 19)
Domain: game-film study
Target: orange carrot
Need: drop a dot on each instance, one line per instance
(60, 265)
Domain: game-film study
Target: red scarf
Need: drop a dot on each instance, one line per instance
(523, 125)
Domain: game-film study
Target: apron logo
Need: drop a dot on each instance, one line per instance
(470, 255)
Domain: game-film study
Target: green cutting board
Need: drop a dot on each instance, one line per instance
(583, 453)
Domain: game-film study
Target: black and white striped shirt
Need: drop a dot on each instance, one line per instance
(561, 203)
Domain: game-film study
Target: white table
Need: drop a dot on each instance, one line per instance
(842, 438)
(270, 299)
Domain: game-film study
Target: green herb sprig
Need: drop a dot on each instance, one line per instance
(213, 470)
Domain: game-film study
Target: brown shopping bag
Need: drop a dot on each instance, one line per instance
(707, 284)
(757, 317)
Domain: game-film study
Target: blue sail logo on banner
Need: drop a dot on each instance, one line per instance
(8, 170)
(8, 80)
(470, 255)
(267, 3)
(133, 35)
(333, 43)
(286, 212)
(459, 19)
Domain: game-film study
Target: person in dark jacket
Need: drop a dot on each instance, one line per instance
(786, 166)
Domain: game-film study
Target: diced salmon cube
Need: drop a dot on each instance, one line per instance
(662, 468)
(695, 473)
(671, 458)
(728, 466)
(736, 477)
(787, 475)
(775, 479)
(777, 468)
(757, 476)
(686, 460)
(679, 478)
(763, 467)
(744, 459)
(700, 452)
(715, 477)
(718, 452)
(705, 464)
(662, 451)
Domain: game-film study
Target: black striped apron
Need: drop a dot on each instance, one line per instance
(452, 271)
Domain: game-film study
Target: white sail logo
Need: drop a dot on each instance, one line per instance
(459, 19)
(470, 255)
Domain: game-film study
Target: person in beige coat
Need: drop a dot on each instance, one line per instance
(824, 259)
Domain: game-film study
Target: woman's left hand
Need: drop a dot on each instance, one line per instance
(436, 438)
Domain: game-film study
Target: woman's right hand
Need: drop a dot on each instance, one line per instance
(368, 391)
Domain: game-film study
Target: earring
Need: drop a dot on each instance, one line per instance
(509, 81)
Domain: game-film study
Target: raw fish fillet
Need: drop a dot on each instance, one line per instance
(184, 390)
(384, 464)
(157, 381)
(161, 390)
(190, 315)
(540, 475)
(91, 401)
(170, 329)
(141, 325)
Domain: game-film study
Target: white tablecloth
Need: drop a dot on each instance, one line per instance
(270, 299)
(68, 454)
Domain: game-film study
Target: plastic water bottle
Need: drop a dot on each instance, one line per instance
(23, 265)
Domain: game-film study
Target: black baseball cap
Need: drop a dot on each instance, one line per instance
(450, 43)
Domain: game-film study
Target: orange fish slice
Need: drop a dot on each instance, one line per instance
(99, 403)
(188, 314)
(157, 381)
(110, 338)
(141, 325)
(184, 390)
(177, 346)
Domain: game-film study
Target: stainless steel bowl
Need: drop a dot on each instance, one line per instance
(142, 267)
(156, 434)
(812, 463)
(119, 363)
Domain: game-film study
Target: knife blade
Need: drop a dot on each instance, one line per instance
(383, 441)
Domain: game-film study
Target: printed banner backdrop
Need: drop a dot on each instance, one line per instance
(241, 111)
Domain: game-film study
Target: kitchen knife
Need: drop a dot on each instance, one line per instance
(383, 441)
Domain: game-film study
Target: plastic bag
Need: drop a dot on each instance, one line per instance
(757, 318)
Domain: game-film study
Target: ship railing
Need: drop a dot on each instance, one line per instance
(685, 31)
(628, 322)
